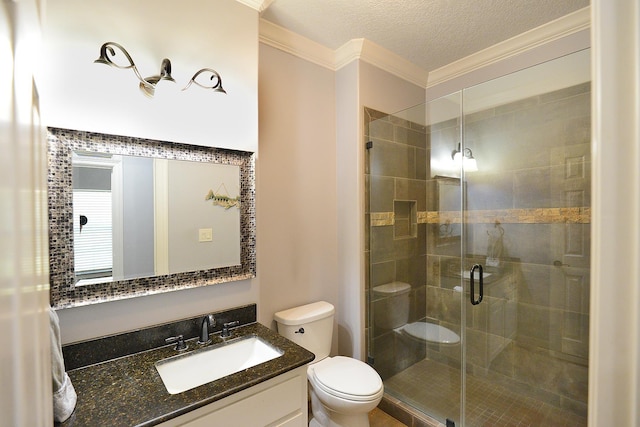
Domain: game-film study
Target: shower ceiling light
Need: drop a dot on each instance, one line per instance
(148, 85)
(466, 158)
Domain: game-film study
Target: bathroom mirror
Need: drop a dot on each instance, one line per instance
(131, 217)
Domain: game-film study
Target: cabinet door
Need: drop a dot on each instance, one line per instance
(282, 404)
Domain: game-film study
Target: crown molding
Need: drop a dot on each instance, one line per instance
(348, 52)
(295, 44)
(363, 49)
(392, 63)
(554, 30)
(258, 5)
(287, 41)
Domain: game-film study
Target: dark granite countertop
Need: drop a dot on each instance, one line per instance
(128, 391)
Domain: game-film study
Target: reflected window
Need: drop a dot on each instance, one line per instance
(93, 216)
(92, 233)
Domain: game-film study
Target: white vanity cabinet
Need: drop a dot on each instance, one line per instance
(280, 401)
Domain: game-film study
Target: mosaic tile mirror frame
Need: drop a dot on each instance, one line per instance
(63, 290)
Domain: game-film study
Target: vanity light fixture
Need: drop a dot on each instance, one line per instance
(466, 158)
(148, 84)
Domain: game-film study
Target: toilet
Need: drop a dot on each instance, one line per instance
(343, 390)
(391, 311)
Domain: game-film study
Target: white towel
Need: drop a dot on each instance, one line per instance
(64, 395)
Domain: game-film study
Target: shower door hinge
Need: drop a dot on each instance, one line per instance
(368, 144)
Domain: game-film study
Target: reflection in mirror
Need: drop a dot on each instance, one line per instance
(449, 206)
(142, 216)
(133, 217)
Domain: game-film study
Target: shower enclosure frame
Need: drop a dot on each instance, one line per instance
(476, 221)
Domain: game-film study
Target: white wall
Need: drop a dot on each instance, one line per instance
(614, 356)
(221, 34)
(79, 94)
(296, 184)
(26, 395)
(97, 320)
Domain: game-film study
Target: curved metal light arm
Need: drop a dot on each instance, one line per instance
(147, 86)
(107, 50)
(214, 75)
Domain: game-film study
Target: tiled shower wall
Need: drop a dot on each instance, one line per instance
(534, 179)
(397, 170)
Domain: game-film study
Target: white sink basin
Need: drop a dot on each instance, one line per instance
(190, 370)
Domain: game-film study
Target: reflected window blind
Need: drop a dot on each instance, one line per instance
(93, 245)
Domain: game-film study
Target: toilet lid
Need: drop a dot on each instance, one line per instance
(347, 378)
(431, 332)
(392, 289)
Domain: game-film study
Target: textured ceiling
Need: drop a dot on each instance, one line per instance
(429, 33)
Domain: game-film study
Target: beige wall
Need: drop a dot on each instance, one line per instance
(296, 184)
(359, 85)
(351, 271)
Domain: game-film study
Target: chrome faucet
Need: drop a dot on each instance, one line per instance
(225, 328)
(208, 322)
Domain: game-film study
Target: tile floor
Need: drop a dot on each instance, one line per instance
(378, 418)
(488, 404)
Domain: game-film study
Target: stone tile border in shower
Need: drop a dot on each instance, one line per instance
(578, 215)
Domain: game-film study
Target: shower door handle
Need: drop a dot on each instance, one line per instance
(472, 294)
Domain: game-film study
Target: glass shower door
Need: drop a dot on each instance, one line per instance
(526, 246)
(414, 288)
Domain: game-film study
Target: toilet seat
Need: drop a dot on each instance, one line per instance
(430, 332)
(346, 378)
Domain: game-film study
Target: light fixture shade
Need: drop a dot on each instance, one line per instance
(464, 158)
(470, 164)
(165, 70)
(457, 157)
(149, 90)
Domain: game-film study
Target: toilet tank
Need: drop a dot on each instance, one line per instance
(391, 305)
(310, 326)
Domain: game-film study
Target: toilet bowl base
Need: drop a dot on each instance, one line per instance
(325, 417)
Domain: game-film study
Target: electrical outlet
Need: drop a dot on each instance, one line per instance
(205, 235)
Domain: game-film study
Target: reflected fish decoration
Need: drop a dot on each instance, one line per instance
(223, 199)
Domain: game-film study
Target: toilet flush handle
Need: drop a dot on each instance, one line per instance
(299, 331)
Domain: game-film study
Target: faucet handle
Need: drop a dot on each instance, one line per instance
(179, 340)
(225, 328)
